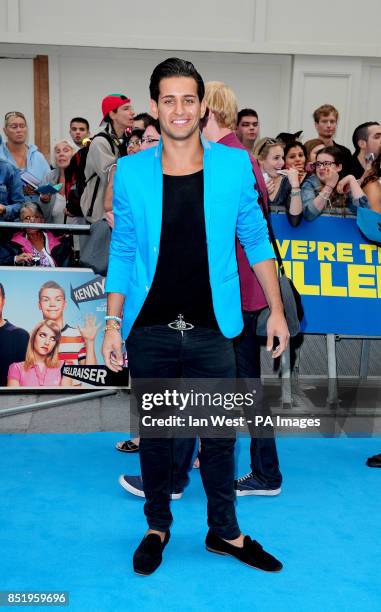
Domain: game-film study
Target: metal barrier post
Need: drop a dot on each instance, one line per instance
(332, 369)
(286, 378)
(364, 361)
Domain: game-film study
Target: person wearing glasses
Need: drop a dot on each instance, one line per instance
(283, 186)
(134, 141)
(32, 246)
(324, 190)
(25, 157)
(151, 135)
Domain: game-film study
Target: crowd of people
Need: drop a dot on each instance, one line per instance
(303, 179)
(87, 187)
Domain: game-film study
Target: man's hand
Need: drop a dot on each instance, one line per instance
(277, 328)
(90, 328)
(112, 350)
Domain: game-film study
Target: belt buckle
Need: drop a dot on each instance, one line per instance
(180, 325)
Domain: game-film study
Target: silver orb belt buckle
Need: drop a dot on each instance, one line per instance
(180, 325)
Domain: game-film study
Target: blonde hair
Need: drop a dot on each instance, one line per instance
(221, 101)
(263, 146)
(11, 114)
(51, 360)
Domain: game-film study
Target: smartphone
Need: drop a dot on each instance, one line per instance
(370, 158)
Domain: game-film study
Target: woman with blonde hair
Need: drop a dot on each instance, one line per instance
(42, 367)
(283, 186)
(25, 157)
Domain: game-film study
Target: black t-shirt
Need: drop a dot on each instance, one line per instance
(13, 343)
(181, 282)
(357, 168)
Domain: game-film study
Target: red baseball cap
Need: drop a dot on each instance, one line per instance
(112, 102)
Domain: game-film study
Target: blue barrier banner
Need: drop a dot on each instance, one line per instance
(337, 273)
(51, 329)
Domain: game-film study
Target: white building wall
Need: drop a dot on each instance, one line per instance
(283, 59)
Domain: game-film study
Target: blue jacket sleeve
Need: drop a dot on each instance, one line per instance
(123, 239)
(251, 225)
(15, 196)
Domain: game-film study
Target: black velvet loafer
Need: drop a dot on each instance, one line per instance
(251, 553)
(148, 555)
(374, 461)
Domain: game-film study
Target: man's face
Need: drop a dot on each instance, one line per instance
(78, 131)
(138, 124)
(247, 129)
(52, 304)
(326, 126)
(123, 116)
(373, 144)
(178, 109)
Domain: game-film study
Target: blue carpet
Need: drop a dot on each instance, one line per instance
(67, 525)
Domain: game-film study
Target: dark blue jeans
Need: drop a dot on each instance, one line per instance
(161, 352)
(263, 453)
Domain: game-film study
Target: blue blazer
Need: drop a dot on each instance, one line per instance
(230, 207)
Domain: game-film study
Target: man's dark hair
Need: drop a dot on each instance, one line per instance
(175, 67)
(246, 112)
(146, 118)
(80, 120)
(2, 292)
(362, 133)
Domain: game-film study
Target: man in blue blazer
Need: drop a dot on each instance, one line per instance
(173, 292)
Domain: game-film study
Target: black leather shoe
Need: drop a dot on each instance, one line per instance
(374, 461)
(251, 553)
(148, 555)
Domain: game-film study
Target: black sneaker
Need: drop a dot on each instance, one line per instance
(148, 555)
(251, 553)
(374, 461)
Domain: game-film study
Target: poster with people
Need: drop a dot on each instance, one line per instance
(51, 330)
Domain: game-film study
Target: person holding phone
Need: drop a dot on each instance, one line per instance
(367, 143)
(283, 185)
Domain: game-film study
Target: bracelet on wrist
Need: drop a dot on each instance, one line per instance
(113, 318)
(112, 325)
(295, 192)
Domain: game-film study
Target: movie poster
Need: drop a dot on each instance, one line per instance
(51, 330)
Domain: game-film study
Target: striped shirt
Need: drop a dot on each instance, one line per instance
(72, 349)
